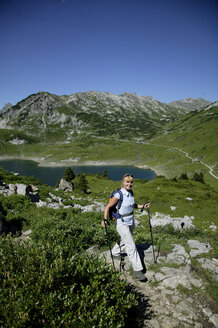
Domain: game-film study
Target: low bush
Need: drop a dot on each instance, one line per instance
(43, 288)
(73, 231)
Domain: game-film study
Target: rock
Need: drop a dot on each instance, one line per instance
(154, 323)
(181, 276)
(22, 189)
(159, 219)
(55, 206)
(65, 185)
(160, 276)
(176, 299)
(27, 232)
(211, 265)
(169, 323)
(198, 248)
(178, 255)
(33, 188)
(12, 187)
(56, 198)
(214, 319)
(40, 203)
(93, 250)
(96, 207)
(67, 206)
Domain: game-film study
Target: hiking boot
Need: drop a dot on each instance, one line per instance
(140, 276)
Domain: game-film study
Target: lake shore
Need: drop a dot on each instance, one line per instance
(41, 162)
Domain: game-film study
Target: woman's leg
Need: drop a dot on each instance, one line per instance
(127, 243)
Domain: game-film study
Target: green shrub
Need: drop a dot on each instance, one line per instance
(41, 288)
(183, 176)
(17, 213)
(69, 174)
(72, 231)
(81, 183)
(199, 177)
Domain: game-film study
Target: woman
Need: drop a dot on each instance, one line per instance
(125, 225)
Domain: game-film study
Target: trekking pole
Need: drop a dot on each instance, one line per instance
(149, 219)
(152, 242)
(108, 240)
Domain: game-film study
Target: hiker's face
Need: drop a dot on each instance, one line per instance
(127, 184)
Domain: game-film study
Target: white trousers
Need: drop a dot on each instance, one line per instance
(127, 245)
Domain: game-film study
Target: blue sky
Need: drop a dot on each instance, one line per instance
(164, 48)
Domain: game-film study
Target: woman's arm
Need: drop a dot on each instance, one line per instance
(113, 201)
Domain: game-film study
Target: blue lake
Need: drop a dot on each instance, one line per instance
(50, 175)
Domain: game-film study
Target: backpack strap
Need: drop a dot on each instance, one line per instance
(114, 211)
(120, 200)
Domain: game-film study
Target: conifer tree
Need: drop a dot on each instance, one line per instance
(82, 183)
(69, 174)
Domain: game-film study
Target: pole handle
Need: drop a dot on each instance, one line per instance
(144, 206)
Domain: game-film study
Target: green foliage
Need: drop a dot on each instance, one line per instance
(73, 230)
(183, 176)
(105, 174)
(43, 288)
(81, 183)
(69, 174)
(17, 211)
(199, 177)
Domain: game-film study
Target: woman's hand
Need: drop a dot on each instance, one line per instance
(147, 205)
(103, 223)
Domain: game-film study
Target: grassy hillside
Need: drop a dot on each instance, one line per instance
(196, 135)
(55, 270)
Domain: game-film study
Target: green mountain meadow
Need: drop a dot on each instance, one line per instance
(47, 277)
(50, 280)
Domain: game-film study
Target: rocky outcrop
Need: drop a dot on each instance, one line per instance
(65, 185)
(20, 189)
(165, 304)
(190, 103)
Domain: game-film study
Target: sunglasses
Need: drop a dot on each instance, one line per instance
(128, 175)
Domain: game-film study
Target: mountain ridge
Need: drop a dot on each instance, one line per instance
(178, 103)
(93, 112)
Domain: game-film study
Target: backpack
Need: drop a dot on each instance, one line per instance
(114, 211)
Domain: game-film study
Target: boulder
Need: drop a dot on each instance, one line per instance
(12, 187)
(65, 185)
(198, 248)
(211, 265)
(22, 189)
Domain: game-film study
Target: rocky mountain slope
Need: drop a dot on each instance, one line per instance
(93, 113)
(190, 103)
